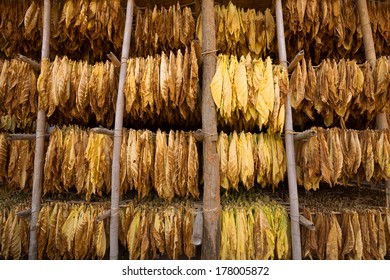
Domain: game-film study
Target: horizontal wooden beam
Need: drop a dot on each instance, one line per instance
(21, 136)
(24, 214)
(295, 61)
(35, 65)
(103, 216)
(306, 223)
(114, 59)
(101, 130)
(304, 135)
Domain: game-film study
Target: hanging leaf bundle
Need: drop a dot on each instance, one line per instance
(76, 158)
(333, 28)
(72, 91)
(240, 31)
(84, 29)
(90, 29)
(250, 93)
(158, 90)
(152, 229)
(161, 30)
(247, 158)
(168, 163)
(18, 92)
(163, 89)
(339, 90)
(16, 162)
(254, 229)
(335, 156)
(13, 233)
(353, 235)
(70, 231)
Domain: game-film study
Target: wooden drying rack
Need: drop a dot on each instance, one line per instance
(211, 233)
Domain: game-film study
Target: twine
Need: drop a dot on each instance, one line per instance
(206, 134)
(285, 62)
(208, 52)
(218, 208)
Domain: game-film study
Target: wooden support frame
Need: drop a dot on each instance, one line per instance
(289, 140)
(39, 143)
(115, 174)
(211, 197)
(369, 49)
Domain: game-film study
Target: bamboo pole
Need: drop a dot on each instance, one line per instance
(39, 144)
(211, 197)
(289, 140)
(20, 136)
(369, 50)
(115, 180)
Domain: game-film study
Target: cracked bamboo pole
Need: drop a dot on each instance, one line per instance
(289, 140)
(211, 197)
(115, 180)
(39, 144)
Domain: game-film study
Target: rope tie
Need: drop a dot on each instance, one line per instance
(209, 52)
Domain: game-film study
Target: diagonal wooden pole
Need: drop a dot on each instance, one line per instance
(115, 180)
(39, 144)
(369, 49)
(211, 197)
(289, 140)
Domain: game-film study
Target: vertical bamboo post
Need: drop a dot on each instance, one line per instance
(211, 197)
(39, 144)
(369, 49)
(115, 180)
(289, 140)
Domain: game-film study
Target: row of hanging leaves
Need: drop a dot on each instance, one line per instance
(90, 29)
(153, 229)
(250, 93)
(16, 163)
(332, 28)
(254, 228)
(353, 235)
(18, 95)
(250, 158)
(339, 91)
(239, 32)
(335, 156)
(158, 89)
(13, 233)
(167, 162)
